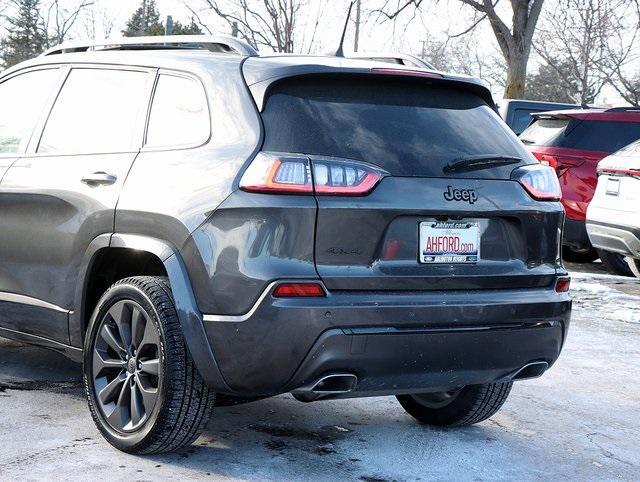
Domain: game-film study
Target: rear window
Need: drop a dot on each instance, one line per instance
(605, 136)
(407, 128)
(543, 131)
(589, 135)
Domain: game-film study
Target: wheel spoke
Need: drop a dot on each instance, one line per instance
(121, 313)
(110, 338)
(150, 336)
(149, 395)
(119, 417)
(113, 389)
(137, 408)
(103, 362)
(138, 325)
(151, 367)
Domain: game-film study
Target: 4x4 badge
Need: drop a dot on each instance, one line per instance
(468, 195)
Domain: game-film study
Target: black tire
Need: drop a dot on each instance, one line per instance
(165, 411)
(472, 404)
(615, 263)
(579, 255)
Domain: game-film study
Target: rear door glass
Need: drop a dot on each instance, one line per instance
(97, 111)
(407, 128)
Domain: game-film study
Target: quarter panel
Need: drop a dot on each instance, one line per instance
(251, 240)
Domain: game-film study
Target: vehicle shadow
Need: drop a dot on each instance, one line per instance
(24, 367)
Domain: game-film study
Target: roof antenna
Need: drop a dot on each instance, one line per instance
(340, 51)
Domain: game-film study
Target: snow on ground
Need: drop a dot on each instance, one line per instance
(599, 294)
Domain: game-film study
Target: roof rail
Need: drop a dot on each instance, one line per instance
(212, 43)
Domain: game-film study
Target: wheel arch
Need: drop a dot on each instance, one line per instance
(159, 258)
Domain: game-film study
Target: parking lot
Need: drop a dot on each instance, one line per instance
(580, 421)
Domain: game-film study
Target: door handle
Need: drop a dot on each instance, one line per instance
(99, 179)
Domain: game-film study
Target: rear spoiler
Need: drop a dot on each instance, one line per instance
(259, 84)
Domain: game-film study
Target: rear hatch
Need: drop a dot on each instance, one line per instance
(434, 221)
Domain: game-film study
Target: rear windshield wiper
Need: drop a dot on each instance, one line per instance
(527, 141)
(480, 162)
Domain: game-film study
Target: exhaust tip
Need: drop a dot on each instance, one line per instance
(326, 387)
(337, 383)
(531, 370)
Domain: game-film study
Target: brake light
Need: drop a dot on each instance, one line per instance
(539, 181)
(299, 290)
(299, 174)
(409, 72)
(563, 285)
(560, 164)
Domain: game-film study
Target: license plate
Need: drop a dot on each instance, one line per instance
(449, 242)
(613, 186)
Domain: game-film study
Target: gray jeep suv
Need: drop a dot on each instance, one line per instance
(201, 226)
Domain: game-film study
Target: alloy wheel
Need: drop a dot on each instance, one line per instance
(126, 369)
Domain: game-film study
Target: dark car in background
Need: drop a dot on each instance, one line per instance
(518, 114)
(573, 142)
(202, 225)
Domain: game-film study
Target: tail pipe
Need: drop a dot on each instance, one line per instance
(327, 386)
(530, 370)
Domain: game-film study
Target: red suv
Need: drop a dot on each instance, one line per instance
(573, 142)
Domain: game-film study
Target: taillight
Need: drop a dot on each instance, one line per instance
(299, 174)
(278, 173)
(563, 285)
(540, 182)
(299, 290)
(560, 164)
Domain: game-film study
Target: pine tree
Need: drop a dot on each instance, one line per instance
(144, 21)
(187, 29)
(26, 34)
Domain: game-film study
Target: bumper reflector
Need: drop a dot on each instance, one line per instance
(299, 290)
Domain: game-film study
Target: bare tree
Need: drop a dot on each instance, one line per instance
(98, 21)
(623, 56)
(462, 55)
(515, 41)
(60, 20)
(267, 23)
(588, 43)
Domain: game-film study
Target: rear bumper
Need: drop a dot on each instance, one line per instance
(400, 342)
(619, 239)
(575, 234)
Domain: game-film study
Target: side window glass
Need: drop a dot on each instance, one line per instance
(22, 99)
(179, 113)
(97, 111)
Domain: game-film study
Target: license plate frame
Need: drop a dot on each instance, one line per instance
(452, 242)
